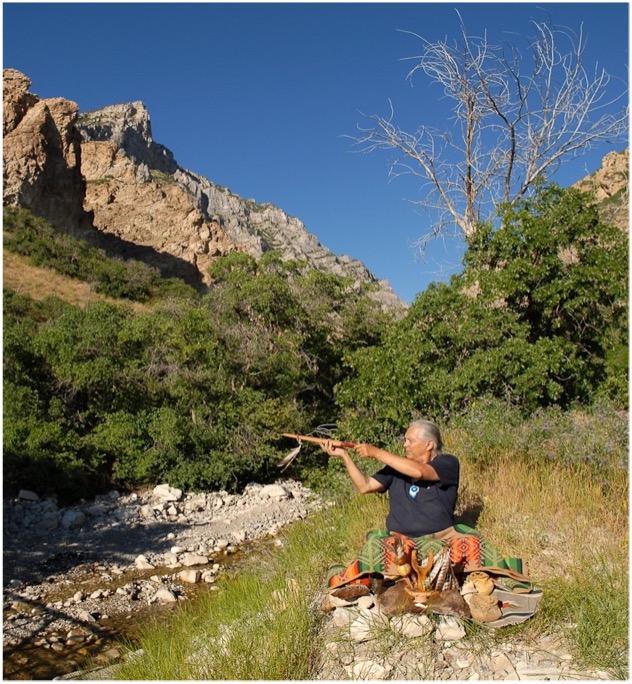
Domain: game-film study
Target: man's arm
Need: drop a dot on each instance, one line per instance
(405, 466)
(363, 483)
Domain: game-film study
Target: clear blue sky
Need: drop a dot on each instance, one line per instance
(259, 96)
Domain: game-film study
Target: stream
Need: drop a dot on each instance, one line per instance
(49, 650)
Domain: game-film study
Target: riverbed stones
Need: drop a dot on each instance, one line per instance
(275, 491)
(166, 493)
(73, 520)
(126, 534)
(28, 495)
(190, 559)
(164, 595)
(190, 576)
(142, 563)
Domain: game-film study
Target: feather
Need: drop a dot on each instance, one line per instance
(285, 462)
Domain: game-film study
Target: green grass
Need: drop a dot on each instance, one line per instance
(593, 598)
(263, 623)
(561, 515)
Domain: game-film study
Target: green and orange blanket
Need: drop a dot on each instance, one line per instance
(469, 552)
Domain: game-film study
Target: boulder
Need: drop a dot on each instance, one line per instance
(73, 520)
(166, 493)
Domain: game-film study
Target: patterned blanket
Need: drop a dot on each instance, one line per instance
(385, 551)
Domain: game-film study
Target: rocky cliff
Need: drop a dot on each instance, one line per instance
(42, 154)
(101, 173)
(609, 186)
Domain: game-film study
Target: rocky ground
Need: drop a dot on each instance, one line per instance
(77, 579)
(363, 642)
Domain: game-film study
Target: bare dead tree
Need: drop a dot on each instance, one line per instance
(516, 118)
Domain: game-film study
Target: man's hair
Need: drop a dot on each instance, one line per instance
(428, 430)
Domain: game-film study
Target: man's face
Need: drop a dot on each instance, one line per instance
(414, 445)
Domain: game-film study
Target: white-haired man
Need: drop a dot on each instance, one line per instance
(422, 485)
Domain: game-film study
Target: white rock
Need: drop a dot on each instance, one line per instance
(448, 628)
(142, 563)
(412, 626)
(165, 596)
(367, 626)
(341, 617)
(73, 520)
(170, 558)
(190, 576)
(75, 636)
(27, 495)
(276, 492)
(86, 616)
(146, 512)
(166, 493)
(97, 510)
(194, 559)
(368, 669)
(501, 664)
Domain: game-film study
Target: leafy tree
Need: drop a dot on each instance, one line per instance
(533, 319)
(195, 391)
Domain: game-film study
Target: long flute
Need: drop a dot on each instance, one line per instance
(321, 440)
(284, 463)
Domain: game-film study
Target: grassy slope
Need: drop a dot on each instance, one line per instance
(39, 283)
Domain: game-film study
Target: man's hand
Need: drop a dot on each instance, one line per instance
(364, 450)
(332, 450)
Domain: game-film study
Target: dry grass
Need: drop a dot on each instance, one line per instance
(571, 526)
(39, 283)
(549, 514)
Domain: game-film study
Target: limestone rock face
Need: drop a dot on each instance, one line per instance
(42, 155)
(102, 170)
(609, 186)
(16, 99)
(138, 192)
(127, 202)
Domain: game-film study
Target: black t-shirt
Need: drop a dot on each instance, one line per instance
(419, 507)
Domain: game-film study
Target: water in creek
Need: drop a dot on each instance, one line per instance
(44, 657)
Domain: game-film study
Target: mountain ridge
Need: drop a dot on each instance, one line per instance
(128, 191)
(100, 175)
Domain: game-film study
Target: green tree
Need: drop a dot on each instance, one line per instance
(535, 319)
